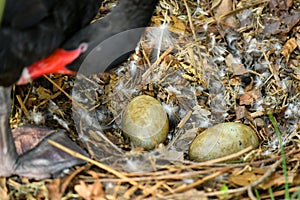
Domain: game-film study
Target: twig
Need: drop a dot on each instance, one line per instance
(252, 185)
(280, 193)
(196, 183)
(222, 159)
(151, 68)
(184, 119)
(190, 20)
(98, 164)
(65, 93)
(23, 107)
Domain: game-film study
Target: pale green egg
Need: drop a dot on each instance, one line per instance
(221, 140)
(145, 122)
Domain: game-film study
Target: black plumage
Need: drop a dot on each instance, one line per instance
(33, 29)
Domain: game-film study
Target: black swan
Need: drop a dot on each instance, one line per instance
(47, 36)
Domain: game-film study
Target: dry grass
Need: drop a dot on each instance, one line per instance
(214, 65)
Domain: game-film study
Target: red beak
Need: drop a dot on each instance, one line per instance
(54, 63)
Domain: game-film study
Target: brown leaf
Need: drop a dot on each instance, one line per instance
(246, 99)
(27, 137)
(54, 189)
(178, 27)
(275, 180)
(90, 191)
(280, 5)
(3, 189)
(43, 93)
(249, 97)
(244, 179)
(235, 81)
(234, 65)
(288, 48)
(296, 180)
(240, 112)
(249, 87)
(224, 7)
(282, 25)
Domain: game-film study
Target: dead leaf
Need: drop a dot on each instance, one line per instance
(246, 99)
(54, 189)
(288, 48)
(249, 87)
(245, 178)
(178, 27)
(296, 179)
(43, 93)
(283, 24)
(59, 81)
(27, 137)
(280, 5)
(235, 81)
(3, 189)
(240, 112)
(249, 97)
(224, 7)
(90, 191)
(275, 180)
(234, 65)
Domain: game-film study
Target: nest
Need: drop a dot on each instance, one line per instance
(207, 62)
